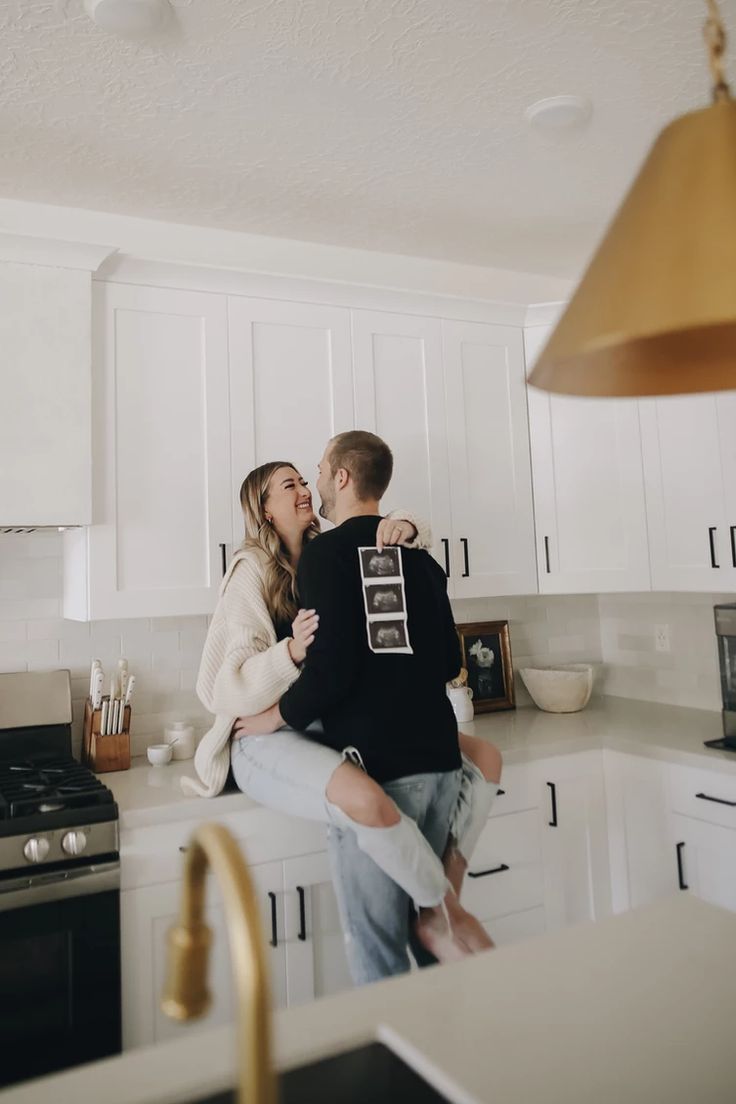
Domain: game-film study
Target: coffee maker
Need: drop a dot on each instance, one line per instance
(725, 616)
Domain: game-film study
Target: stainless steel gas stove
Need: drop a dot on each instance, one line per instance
(59, 888)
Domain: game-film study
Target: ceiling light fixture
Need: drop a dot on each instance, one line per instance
(558, 114)
(128, 18)
(655, 312)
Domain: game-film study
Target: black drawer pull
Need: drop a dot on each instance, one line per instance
(546, 554)
(446, 546)
(500, 793)
(733, 545)
(718, 800)
(712, 543)
(274, 941)
(553, 794)
(485, 873)
(466, 562)
(680, 873)
(223, 558)
(302, 915)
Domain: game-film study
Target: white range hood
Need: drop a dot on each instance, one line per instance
(45, 382)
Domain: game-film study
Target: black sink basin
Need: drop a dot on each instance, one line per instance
(369, 1074)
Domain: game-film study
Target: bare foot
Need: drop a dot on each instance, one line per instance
(463, 936)
(466, 929)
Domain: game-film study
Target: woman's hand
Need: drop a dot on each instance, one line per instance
(304, 628)
(263, 724)
(394, 531)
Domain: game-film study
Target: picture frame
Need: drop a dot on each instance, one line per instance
(486, 651)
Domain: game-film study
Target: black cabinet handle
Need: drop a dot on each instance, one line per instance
(274, 931)
(223, 558)
(546, 554)
(485, 873)
(718, 800)
(302, 915)
(712, 543)
(733, 545)
(446, 545)
(466, 562)
(553, 794)
(680, 874)
(500, 793)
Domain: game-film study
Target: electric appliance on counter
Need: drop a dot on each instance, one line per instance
(59, 889)
(725, 616)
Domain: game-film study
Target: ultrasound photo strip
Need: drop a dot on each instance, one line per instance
(384, 598)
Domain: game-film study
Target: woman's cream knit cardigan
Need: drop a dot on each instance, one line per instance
(244, 669)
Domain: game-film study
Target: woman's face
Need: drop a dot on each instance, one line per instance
(288, 504)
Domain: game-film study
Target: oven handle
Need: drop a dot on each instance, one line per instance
(40, 889)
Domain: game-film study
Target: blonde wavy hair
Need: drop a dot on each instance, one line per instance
(281, 596)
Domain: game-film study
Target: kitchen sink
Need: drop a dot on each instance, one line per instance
(370, 1074)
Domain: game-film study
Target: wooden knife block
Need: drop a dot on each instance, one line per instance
(104, 753)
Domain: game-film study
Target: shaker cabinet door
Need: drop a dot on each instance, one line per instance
(490, 474)
(161, 507)
(399, 394)
(291, 386)
(589, 500)
(686, 442)
(316, 965)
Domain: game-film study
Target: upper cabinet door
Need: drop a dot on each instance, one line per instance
(589, 500)
(399, 394)
(686, 440)
(726, 404)
(490, 474)
(290, 386)
(160, 439)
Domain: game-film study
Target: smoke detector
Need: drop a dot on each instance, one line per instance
(559, 114)
(129, 18)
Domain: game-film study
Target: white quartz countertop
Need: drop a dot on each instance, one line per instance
(149, 795)
(638, 1008)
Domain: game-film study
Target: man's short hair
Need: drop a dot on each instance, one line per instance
(366, 458)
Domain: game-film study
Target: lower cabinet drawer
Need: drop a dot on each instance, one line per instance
(706, 795)
(505, 874)
(519, 790)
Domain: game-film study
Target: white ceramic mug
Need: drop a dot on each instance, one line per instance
(180, 736)
(461, 701)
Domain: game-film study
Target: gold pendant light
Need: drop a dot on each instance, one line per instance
(655, 312)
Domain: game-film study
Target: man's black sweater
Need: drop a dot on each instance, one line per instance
(392, 707)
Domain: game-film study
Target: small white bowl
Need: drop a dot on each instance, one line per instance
(158, 754)
(563, 689)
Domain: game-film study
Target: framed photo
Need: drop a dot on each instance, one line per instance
(487, 656)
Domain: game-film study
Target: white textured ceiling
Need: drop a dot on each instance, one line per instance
(394, 125)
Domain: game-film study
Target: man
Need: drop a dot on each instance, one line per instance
(375, 676)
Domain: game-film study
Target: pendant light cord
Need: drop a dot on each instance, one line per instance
(715, 37)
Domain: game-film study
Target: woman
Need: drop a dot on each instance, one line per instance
(256, 642)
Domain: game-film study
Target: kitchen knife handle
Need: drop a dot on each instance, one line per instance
(680, 873)
(712, 542)
(553, 794)
(302, 915)
(274, 940)
(464, 543)
(446, 545)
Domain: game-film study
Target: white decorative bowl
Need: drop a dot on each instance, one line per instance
(159, 754)
(563, 689)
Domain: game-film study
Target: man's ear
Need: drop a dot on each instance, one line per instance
(342, 477)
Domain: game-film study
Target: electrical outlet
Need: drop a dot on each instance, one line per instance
(662, 638)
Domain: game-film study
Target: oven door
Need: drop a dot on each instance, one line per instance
(59, 970)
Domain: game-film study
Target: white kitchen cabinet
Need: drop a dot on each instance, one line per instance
(489, 468)
(705, 857)
(639, 833)
(147, 913)
(589, 502)
(690, 472)
(161, 508)
(399, 394)
(574, 839)
(291, 386)
(316, 965)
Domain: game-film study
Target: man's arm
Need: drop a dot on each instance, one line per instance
(327, 583)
